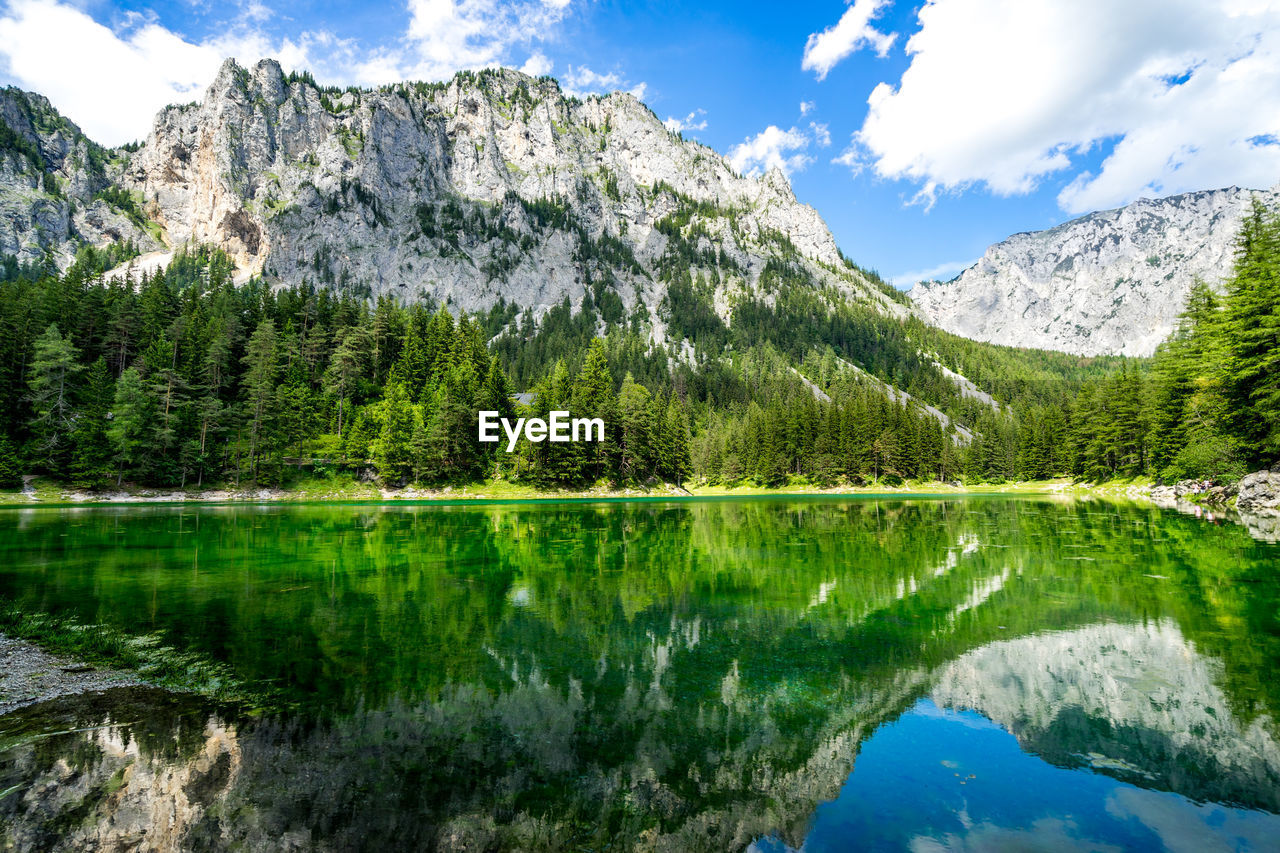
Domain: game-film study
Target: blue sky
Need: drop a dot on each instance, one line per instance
(921, 131)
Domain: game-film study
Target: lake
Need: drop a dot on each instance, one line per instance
(768, 674)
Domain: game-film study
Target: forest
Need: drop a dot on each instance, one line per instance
(182, 378)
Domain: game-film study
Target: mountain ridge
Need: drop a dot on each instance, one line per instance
(490, 185)
(1112, 282)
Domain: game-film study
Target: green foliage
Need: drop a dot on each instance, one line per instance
(182, 375)
(52, 382)
(130, 427)
(12, 141)
(1216, 410)
(10, 466)
(125, 202)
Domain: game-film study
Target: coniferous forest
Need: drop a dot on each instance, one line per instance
(182, 378)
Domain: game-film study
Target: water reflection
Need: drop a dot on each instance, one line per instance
(703, 676)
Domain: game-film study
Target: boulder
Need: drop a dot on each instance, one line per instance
(1259, 493)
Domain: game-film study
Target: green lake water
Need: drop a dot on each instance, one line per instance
(983, 673)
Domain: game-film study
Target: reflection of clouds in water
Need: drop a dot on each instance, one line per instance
(824, 591)
(1047, 835)
(1192, 827)
(978, 595)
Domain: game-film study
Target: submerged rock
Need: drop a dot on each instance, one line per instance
(28, 675)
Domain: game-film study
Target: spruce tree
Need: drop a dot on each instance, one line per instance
(91, 459)
(260, 378)
(593, 397)
(133, 411)
(393, 450)
(10, 466)
(1252, 329)
(635, 439)
(51, 379)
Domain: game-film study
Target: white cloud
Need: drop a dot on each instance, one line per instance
(581, 81)
(1004, 93)
(113, 84)
(112, 80)
(824, 50)
(806, 107)
(445, 36)
(821, 134)
(536, 65)
(942, 272)
(771, 148)
(689, 122)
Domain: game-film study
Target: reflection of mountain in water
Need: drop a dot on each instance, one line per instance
(140, 776)
(470, 771)
(474, 770)
(1137, 702)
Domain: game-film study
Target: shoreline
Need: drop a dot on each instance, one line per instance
(29, 675)
(48, 494)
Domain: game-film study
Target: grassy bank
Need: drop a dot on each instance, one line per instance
(341, 489)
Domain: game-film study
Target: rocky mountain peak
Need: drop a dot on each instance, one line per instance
(490, 185)
(1112, 282)
(54, 184)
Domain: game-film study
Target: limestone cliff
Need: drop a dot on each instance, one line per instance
(1112, 282)
(490, 185)
(52, 186)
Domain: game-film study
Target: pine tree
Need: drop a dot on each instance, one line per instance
(884, 454)
(1252, 329)
(635, 440)
(346, 367)
(593, 397)
(676, 441)
(132, 411)
(260, 377)
(91, 459)
(10, 467)
(413, 368)
(52, 381)
(453, 436)
(393, 451)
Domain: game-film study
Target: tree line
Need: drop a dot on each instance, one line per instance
(182, 378)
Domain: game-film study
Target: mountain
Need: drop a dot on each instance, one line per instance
(544, 221)
(490, 185)
(58, 188)
(1111, 282)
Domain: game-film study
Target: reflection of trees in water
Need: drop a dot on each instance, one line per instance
(658, 675)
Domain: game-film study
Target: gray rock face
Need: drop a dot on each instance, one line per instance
(50, 177)
(1188, 489)
(1103, 694)
(1260, 493)
(491, 185)
(1112, 282)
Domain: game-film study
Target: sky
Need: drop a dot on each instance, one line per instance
(922, 132)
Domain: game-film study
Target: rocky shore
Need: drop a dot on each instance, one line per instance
(1259, 493)
(28, 675)
(1256, 494)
